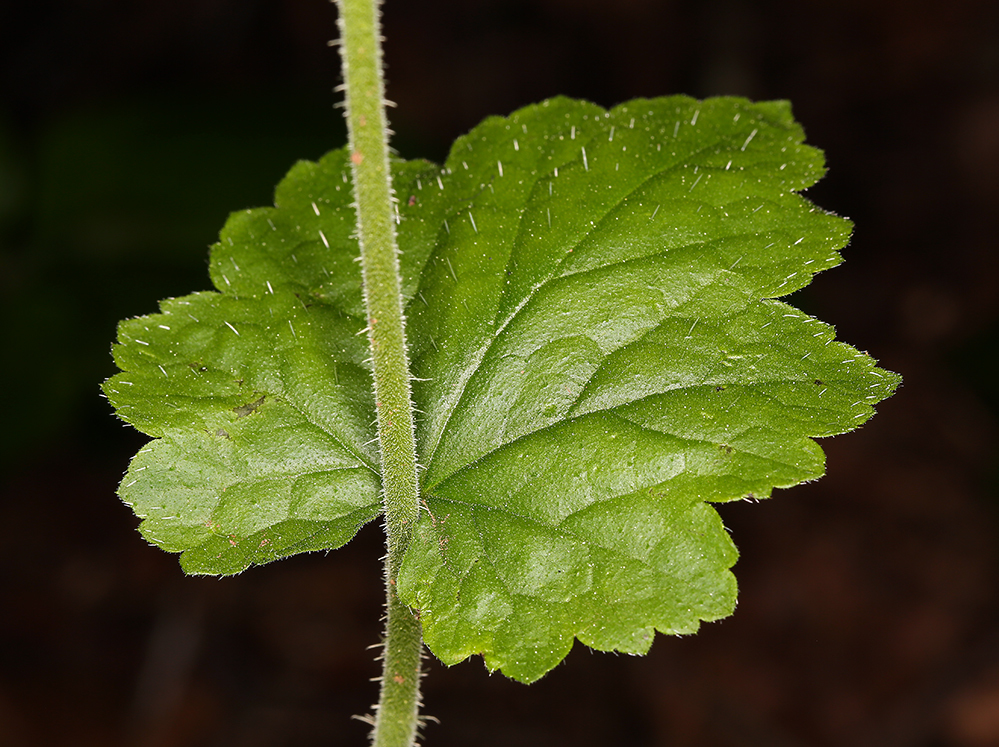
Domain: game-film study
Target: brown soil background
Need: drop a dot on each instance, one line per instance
(868, 612)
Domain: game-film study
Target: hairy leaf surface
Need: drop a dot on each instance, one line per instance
(260, 394)
(597, 351)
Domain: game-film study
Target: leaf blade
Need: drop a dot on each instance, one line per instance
(598, 354)
(602, 365)
(259, 394)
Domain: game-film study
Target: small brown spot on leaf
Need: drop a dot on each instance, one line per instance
(243, 410)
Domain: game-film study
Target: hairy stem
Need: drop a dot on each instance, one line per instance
(360, 51)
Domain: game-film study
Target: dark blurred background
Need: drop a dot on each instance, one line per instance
(869, 600)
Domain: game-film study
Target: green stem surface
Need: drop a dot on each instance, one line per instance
(360, 50)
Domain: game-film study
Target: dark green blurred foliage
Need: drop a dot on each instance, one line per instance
(110, 207)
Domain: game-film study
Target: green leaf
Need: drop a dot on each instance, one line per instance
(602, 356)
(597, 355)
(260, 395)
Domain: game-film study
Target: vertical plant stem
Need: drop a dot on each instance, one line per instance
(360, 50)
